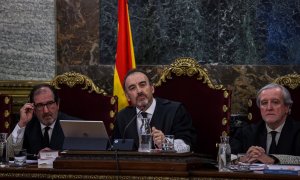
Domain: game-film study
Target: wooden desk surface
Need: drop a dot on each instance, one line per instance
(157, 161)
(154, 167)
(32, 172)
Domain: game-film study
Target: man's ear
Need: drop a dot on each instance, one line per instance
(289, 110)
(153, 89)
(57, 103)
(128, 99)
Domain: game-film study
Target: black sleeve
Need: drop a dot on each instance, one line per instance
(183, 127)
(236, 142)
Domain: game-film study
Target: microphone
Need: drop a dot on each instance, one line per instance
(125, 144)
(131, 120)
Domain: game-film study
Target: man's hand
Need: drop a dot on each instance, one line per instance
(256, 154)
(26, 113)
(158, 137)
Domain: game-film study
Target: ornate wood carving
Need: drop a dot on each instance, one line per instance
(190, 67)
(72, 78)
(290, 80)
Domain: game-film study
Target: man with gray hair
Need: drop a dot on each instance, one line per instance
(278, 134)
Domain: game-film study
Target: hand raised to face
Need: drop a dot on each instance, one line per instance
(26, 114)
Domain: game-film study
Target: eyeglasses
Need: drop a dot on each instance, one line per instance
(41, 106)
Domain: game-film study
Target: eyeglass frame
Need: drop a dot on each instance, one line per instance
(41, 106)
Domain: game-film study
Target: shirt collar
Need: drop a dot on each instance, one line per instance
(51, 126)
(279, 129)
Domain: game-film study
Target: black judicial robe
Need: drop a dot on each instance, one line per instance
(169, 116)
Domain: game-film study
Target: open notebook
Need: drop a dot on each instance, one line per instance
(84, 135)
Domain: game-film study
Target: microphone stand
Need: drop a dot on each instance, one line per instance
(126, 127)
(122, 144)
(123, 141)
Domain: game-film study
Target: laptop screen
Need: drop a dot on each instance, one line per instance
(84, 129)
(84, 135)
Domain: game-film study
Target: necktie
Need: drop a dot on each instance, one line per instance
(45, 141)
(144, 114)
(272, 149)
(143, 126)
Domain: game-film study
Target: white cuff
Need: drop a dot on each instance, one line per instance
(180, 146)
(18, 133)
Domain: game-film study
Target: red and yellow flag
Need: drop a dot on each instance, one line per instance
(125, 53)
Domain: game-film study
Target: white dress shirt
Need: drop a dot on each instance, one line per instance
(269, 136)
(18, 132)
(179, 145)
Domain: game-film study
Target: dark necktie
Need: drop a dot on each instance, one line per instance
(144, 114)
(45, 141)
(272, 149)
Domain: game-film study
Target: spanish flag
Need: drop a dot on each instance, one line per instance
(125, 53)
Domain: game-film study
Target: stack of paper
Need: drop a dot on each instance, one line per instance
(282, 169)
(46, 159)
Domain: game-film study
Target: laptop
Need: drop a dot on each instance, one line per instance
(84, 135)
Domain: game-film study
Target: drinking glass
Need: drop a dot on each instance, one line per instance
(145, 136)
(168, 143)
(3, 149)
(20, 156)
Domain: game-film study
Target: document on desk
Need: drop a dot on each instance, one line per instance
(247, 167)
(266, 169)
(27, 161)
(282, 169)
(47, 158)
(48, 154)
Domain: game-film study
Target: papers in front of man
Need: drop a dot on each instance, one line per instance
(247, 167)
(46, 159)
(282, 169)
(48, 154)
(45, 163)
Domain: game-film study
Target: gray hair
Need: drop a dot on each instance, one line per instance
(286, 94)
